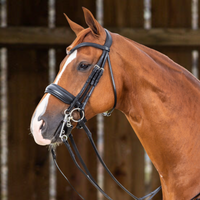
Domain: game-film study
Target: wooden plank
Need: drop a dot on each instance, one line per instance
(27, 13)
(34, 36)
(124, 156)
(180, 17)
(121, 143)
(27, 78)
(198, 48)
(198, 7)
(27, 161)
(74, 11)
(172, 14)
(0, 114)
(76, 178)
(126, 14)
(62, 36)
(1, 7)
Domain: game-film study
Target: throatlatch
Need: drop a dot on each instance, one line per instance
(78, 103)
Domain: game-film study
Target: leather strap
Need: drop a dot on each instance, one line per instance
(80, 101)
(195, 197)
(89, 44)
(60, 93)
(54, 159)
(108, 113)
(89, 134)
(88, 176)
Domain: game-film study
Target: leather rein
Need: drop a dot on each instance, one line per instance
(78, 103)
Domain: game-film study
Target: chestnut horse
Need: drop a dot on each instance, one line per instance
(159, 98)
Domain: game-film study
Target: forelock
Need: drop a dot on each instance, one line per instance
(79, 38)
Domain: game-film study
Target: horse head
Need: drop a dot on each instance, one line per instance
(159, 98)
(74, 71)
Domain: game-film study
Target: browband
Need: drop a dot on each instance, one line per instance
(87, 44)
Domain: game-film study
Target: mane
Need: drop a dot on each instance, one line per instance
(79, 38)
(157, 56)
(165, 61)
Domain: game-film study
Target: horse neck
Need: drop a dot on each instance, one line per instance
(161, 101)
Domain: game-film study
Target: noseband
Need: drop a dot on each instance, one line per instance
(78, 103)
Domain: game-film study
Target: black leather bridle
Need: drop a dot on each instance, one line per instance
(78, 103)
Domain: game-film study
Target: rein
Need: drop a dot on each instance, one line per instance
(78, 103)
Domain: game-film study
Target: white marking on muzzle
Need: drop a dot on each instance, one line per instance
(36, 124)
(41, 109)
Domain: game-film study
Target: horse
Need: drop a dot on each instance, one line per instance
(159, 98)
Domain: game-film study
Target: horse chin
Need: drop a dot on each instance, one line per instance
(56, 141)
(54, 145)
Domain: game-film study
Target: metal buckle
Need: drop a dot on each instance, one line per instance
(106, 114)
(70, 117)
(64, 138)
(97, 66)
(67, 121)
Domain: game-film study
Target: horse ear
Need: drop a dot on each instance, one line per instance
(94, 25)
(74, 26)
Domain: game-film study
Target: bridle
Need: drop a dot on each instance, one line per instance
(78, 103)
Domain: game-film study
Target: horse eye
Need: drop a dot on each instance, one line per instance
(83, 66)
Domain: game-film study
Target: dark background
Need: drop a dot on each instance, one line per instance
(26, 41)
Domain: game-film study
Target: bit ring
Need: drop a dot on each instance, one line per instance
(71, 117)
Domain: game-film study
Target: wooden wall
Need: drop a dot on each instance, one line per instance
(121, 143)
(74, 11)
(28, 176)
(28, 40)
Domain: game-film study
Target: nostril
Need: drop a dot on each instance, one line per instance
(42, 127)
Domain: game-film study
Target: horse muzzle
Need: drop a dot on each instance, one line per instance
(37, 129)
(45, 128)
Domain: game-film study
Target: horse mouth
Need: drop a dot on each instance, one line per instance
(56, 138)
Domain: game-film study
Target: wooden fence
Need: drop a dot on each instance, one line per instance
(28, 38)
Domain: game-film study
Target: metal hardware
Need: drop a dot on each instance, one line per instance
(97, 66)
(106, 114)
(70, 117)
(67, 122)
(64, 138)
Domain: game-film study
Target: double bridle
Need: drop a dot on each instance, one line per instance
(78, 103)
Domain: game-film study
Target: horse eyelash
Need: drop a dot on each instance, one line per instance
(81, 69)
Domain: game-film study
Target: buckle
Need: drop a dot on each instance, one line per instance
(66, 131)
(70, 117)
